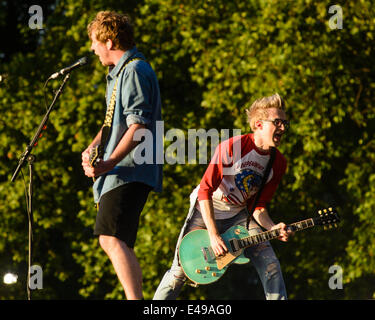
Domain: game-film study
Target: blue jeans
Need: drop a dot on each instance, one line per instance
(262, 256)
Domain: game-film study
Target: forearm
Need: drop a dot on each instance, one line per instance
(126, 144)
(217, 243)
(207, 210)
(262, 217)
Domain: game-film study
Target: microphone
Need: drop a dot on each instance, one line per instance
(77, 64)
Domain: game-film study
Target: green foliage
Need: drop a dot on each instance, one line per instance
(212, 59)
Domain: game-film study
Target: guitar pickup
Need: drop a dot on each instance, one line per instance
(234, 244)
(208, 254)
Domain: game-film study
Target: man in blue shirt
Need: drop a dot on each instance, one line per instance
(122, 182)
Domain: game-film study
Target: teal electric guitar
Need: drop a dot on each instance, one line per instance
(200, 264)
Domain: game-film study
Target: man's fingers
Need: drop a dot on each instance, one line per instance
(219, 247)
(222, 249)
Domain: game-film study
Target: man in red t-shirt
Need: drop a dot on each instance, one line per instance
(227, 192)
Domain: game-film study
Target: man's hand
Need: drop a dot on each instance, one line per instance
(218, 245)
(86, 158)
(100, 168)
(284, 233)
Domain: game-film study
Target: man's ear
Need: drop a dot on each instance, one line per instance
(109, 44)
(258, 124)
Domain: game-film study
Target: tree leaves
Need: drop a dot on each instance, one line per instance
(212, 59)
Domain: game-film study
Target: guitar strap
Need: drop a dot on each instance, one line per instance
(106, 129)
(264, 180)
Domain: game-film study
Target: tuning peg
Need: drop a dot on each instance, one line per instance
(320, 212)
(330, 209)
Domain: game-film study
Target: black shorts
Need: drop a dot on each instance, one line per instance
(119, 212)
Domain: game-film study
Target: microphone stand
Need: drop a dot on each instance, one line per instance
(30, 158)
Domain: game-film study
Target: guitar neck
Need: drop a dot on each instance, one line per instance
(273, 234)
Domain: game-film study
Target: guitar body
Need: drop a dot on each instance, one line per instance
(95, 155)
(199, 262)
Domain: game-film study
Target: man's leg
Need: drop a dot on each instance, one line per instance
(268, 267)
(265, 261)
(125, 264)
(174, 279)
(171, 284)
(117, 225)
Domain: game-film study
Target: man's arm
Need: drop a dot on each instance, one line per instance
(125, 145)
(217, 242)
(209, 183)
(262, 217)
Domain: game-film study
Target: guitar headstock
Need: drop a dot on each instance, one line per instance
(328, 218)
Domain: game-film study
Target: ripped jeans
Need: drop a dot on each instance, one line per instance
(262, 257)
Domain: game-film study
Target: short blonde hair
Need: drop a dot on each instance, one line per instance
(259, 108)
(113, 26)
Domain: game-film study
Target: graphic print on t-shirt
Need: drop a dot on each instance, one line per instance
(247, 181)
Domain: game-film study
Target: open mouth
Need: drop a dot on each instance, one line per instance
(277, 137)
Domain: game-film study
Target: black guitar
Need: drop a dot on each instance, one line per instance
(96, 154)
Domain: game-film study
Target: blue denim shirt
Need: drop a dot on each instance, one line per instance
(137, 101)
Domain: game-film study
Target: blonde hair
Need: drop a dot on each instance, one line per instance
(259, 108)
(113, 26)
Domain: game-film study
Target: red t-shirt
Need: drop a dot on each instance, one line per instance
(234, 176)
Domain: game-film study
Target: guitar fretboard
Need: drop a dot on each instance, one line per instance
(269, 235)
